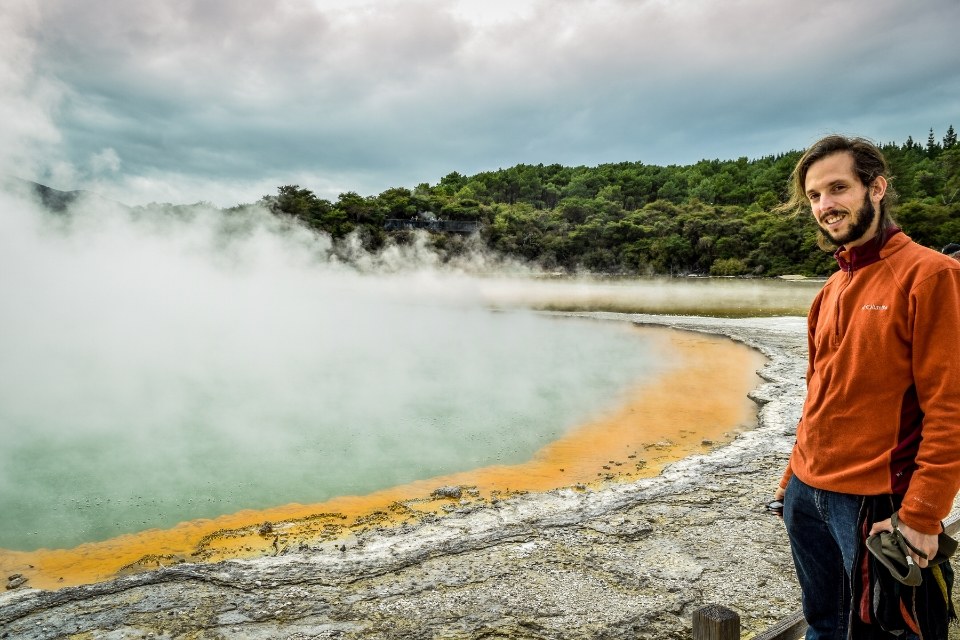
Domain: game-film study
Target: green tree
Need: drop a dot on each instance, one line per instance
(950, 139)
(729, 267)
(932, 146)
(360, 210)
(397, 202)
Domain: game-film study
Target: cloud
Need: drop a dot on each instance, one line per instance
(105, 161)
(368, 95)
(27, 100)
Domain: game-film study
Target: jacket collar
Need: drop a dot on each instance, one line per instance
(865, 254)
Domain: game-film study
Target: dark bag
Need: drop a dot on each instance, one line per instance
(893, 552)
(885, 607)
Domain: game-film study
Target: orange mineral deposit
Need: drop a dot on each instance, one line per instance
(699, 401)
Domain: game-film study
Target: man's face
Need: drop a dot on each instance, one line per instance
(843, 207)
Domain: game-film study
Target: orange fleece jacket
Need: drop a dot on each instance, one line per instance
(882, 412)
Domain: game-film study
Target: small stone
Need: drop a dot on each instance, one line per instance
(452, 492)
(16, 580)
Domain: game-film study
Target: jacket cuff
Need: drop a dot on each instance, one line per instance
(919, 522)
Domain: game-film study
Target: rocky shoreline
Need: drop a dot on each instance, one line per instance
(624, 560)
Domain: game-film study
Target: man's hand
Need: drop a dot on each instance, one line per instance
(926, 542)
(777, 505)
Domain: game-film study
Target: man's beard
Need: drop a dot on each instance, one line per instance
(864, 218)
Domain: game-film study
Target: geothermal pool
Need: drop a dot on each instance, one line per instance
(697, 402)
(158, 374)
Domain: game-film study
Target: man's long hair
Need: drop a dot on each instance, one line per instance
(868, 162)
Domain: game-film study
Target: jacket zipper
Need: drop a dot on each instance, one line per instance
(836, 329)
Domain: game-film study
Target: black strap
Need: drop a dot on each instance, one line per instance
(895, 521)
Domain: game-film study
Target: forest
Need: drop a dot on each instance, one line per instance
(715, 217)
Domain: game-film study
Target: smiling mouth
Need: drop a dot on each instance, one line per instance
(831, 219)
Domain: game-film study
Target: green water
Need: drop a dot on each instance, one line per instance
(151, 445)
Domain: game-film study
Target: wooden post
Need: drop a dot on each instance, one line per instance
(715, 622)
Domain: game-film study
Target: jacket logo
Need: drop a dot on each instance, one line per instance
(874, 307)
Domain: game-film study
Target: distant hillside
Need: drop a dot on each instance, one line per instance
(56, 200)
(714, 217)
(53, 199)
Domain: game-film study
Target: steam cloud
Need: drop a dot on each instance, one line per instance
(166, 366)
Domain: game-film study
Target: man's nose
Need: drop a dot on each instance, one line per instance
(825, 203)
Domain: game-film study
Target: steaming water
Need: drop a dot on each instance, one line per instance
(149, 377)
(169, 367)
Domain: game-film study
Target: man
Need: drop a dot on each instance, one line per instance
(880, 429)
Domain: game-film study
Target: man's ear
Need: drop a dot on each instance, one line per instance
(878, 188)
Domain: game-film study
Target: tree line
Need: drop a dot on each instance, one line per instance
(714, 217)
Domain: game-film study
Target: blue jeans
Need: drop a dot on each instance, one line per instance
(822, 526)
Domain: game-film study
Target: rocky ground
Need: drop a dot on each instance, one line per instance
(620, 561)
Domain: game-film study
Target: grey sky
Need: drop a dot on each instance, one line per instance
(224, 100)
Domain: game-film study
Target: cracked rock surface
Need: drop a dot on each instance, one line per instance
(620, 561)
